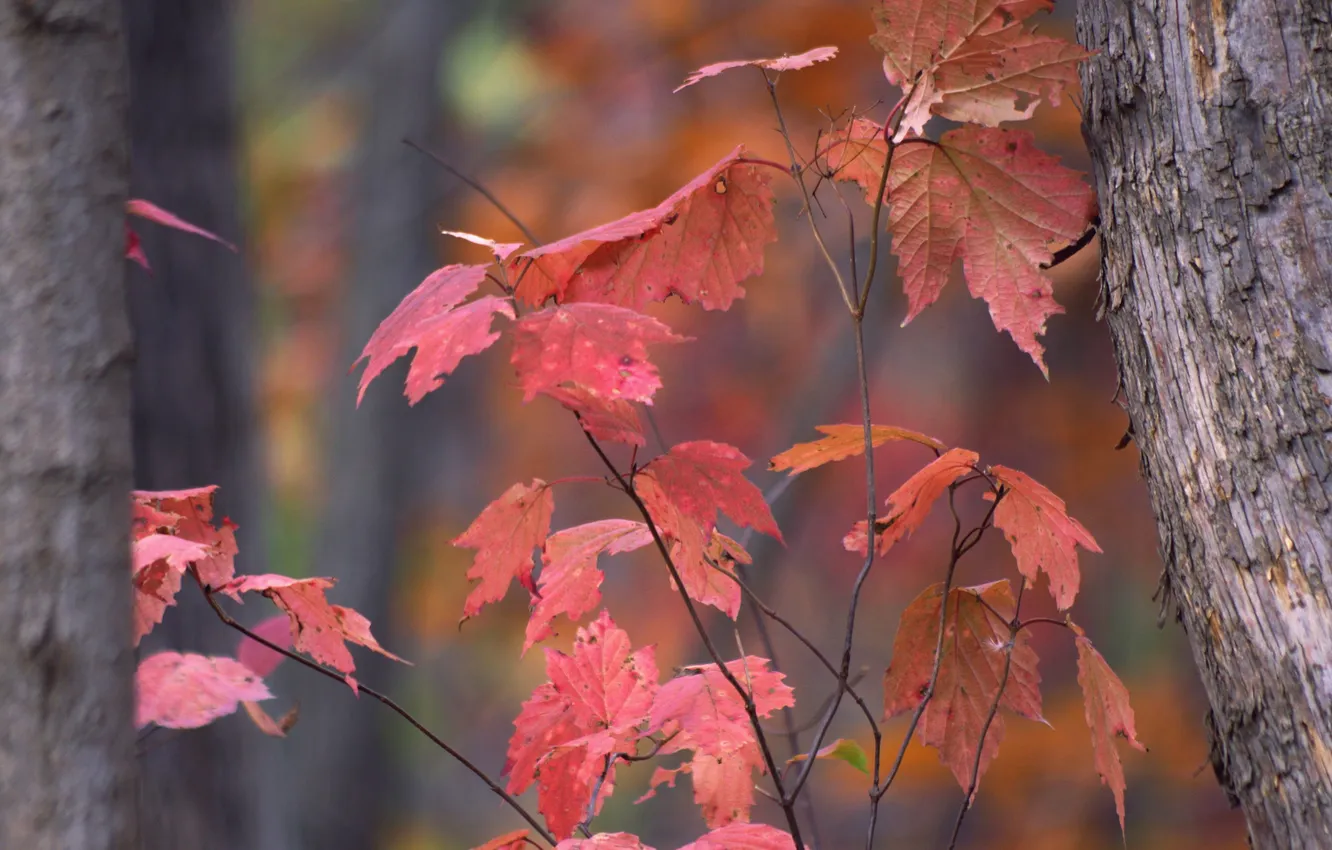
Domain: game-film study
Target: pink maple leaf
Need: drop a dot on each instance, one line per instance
(504, 535)
(187, 691)
(431, 320)
(698, 244)
(780, 63)
(600, 347)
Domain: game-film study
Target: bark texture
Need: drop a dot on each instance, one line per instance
(66, 666)
(1210, 126)
(195, 421)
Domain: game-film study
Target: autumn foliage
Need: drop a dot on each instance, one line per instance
(574, 315)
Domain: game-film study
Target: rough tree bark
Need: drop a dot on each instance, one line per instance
(1210, 126)
(66, 666)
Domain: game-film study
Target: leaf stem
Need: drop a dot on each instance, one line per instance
(478, 187)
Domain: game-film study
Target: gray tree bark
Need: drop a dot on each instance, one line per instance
(195, 421)
(66, 665)
(1210, 126)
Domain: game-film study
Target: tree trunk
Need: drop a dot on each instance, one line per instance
(371, 449)
(194, 409)
(66, 666)
(1210, 126)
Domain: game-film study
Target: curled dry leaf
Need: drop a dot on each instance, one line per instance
(780, 63)
(842, 442)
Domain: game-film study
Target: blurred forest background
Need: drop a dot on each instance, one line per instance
(279, 124)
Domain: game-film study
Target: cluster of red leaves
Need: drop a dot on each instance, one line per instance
(173, 534)
(979, 640)
(579, 335)
(736, 836)
(602, 701)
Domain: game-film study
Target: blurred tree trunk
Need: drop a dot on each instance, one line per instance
(1210, 125)
(66, 666)
(194, 410)
(349, 788)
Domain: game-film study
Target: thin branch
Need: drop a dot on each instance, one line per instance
(478, 187)
(761, 607)
(888, 133)
(959, 548)
(1034, 620)
(797, 174)
(751, 708)
(1013, 626)
(374, 694)
(871, 506)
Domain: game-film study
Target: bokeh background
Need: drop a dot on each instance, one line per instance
(280, 124)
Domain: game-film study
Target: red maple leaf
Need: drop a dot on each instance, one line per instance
(842, 442)
(744, 836)
(594, 704)
(570, 582)
(779, 64)
(971, 61)
(600, 347)
(319, 629)
(134, 248)
(689, 544)
(1041, 533)
(1109, 716)
(158, 561)
(703, 478)
(154, 213)
(708, 716)
(604, 841)
(698, 244)
(989, 197)
(970, 671)
(607, 419)
(193, 513)
(910, 504)
(187, 691)
(515, 840)
(431, 320)
(504, 536)
(501, 250)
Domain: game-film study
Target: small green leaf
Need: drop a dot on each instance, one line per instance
(843, 749)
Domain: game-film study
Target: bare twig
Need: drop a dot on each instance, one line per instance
(959, 548)
(209, 595)
(797, 174)
(478, 187)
